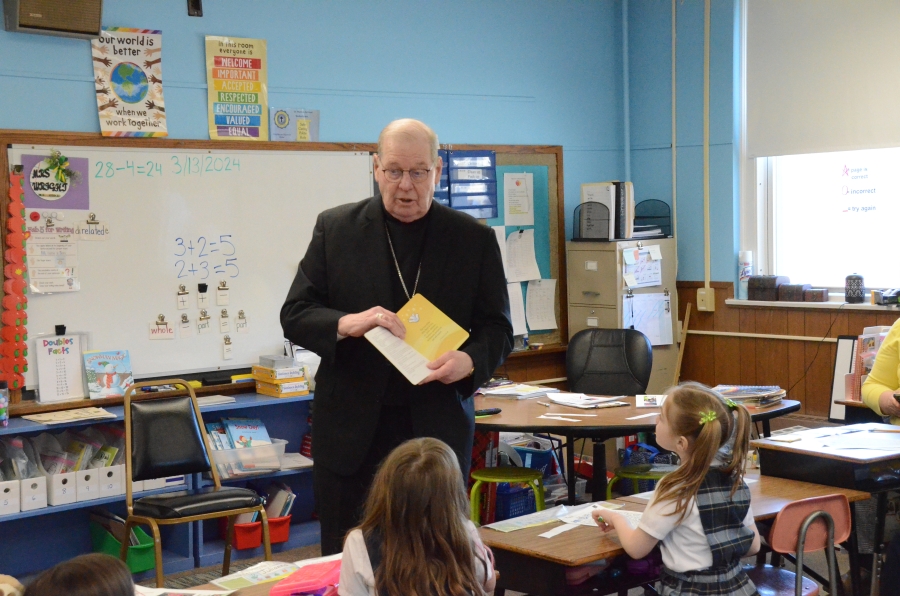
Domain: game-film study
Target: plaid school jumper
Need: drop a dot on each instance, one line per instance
(722, 516)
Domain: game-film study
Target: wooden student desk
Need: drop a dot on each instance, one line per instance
(608, 423)
(812, 459)
(537, 565)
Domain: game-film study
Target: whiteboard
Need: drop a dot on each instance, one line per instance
(174, 216)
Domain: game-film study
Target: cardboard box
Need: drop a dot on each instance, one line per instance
(61, 489)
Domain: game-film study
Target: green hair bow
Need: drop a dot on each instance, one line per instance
(731, 404)
(707, 417)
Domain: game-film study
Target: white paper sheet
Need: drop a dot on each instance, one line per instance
(518, 199)
(532, 519)
(539, 306)
(640, 263)
(557, 530)
(399, 353)
(651, 314)
(643, 416)
(582, 515)
(517, 308)
(552, 417)
(580, 400)
(520, 260)
(500, 233)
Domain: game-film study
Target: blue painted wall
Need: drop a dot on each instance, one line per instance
(650, 81)
(529, 72)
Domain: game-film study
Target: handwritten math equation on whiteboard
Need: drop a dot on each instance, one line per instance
(201, 257)
(178, 165)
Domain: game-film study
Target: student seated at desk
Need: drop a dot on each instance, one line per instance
(699, 514)
(86, 575)
(415, 537)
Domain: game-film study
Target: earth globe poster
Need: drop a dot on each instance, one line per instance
(128, 82)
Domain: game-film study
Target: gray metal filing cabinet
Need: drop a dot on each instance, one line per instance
(596, 288)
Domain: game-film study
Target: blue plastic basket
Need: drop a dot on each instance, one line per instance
(513, 501)
(537, 459)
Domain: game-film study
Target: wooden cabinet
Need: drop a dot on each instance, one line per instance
(597, 290)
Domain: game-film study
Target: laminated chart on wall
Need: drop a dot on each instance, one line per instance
(651, 314)
(642, 267)
(236, 88)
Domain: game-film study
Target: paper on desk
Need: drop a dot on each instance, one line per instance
(540, 304)
(649, 401)
(558, 530)
(257, 574)
(143, 591)
(532, 519)
(865, 440)
(581, 515)
(517, 308)
(520, 260)
(643, 416)
(500, 233)
(579, 400)
(632, 517)
(518, 199)
(551, 417)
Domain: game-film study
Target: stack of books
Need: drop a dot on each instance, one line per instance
(517, 391)
(752, 396)
(280, 378)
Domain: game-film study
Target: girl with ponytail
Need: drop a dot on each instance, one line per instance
(699, 514)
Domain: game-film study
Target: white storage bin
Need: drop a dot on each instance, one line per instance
(9, 497)
(174, 480)
(112, 481)
(154, 484)
(267, 457)
(136, 485)
(33, 493)
(87, 484)
(61, 489)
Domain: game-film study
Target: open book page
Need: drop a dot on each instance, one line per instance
(399, 353)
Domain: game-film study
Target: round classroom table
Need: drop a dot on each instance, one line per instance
(607, 423)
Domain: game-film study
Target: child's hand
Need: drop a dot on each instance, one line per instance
(603, 519)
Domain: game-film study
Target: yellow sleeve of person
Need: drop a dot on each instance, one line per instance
(884, 374)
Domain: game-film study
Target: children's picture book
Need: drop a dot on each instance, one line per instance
(248, 433)
(108, 373)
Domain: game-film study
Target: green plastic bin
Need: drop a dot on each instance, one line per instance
(140, 557)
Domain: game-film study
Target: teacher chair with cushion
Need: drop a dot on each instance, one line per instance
(804, 526)
(614, 362)
(166, 437)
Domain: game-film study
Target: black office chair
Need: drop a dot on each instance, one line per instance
(609, 362)
(614, 362)
(167, 437)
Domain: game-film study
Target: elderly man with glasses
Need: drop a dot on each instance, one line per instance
(365, 261)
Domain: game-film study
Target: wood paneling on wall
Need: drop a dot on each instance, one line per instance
(754, 361)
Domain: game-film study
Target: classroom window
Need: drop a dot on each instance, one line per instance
(833, 214)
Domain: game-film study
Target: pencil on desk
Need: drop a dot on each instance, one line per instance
(884, 430)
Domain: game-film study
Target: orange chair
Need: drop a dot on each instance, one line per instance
(804, 526)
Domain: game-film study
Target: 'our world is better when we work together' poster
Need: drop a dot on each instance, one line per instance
(236, 83)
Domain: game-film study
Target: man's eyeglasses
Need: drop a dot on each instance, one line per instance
(416, 175)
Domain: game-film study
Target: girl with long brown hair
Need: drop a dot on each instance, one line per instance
(415, 538)
(699, 514)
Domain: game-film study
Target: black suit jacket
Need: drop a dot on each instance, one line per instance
(347, 269)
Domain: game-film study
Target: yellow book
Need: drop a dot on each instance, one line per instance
(269, 375)
(280, 388)
(429, 331)
(429, 334)
(277, 394)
